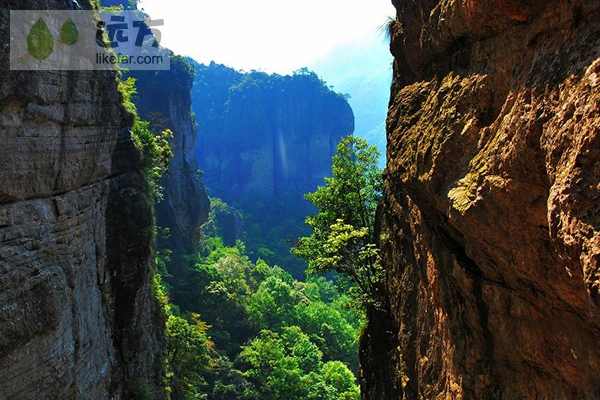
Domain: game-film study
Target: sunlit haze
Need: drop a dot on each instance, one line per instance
(269, 35)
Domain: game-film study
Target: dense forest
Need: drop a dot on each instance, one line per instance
(249, 330)
(237, 325)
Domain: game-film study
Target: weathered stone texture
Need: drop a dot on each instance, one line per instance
(164, 98)
(77, 317)
(490, 224)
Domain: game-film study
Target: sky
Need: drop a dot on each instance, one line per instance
(268, 35)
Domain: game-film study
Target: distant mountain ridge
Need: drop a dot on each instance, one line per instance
(266, 140)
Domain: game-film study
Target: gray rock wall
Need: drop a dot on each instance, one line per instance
(77, 318)
(164, 99)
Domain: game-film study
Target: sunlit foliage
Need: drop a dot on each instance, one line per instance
(343, 237)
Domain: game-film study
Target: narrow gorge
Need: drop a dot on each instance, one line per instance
(218, 232)
(164, 99)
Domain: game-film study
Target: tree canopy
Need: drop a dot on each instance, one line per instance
(250, 331)
(343, 237)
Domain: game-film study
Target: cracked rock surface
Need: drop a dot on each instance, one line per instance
(490, 226)
(77, 318)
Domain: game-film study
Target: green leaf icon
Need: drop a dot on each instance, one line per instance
(69, 33)
(40, 42)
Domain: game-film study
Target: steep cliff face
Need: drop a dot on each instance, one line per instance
(77, 316)
(266, 136)
(164, 98)
(490, 228)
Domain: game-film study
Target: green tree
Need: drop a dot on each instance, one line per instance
(326, 326)
(343, 235)
(281, 333)
(273, 303)
(276, 363)
(337, 375)
(218, 288)
(188, 356)
(288, 366)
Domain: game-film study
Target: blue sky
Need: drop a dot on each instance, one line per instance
(270, 35)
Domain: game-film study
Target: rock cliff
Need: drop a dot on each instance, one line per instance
(77, 315)
(490, 227)
(265, 136)
(164, 98)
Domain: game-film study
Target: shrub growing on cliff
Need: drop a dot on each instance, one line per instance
(155, 147)
(387, 28)
(343, 230)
